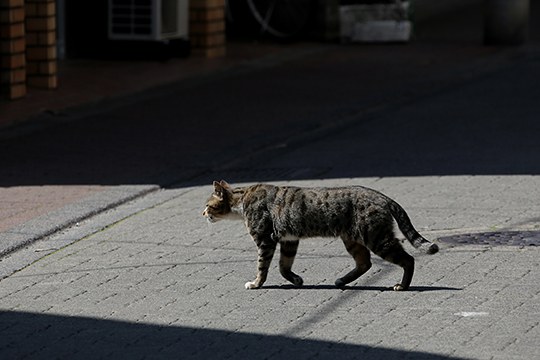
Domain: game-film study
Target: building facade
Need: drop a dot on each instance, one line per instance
(34, 34)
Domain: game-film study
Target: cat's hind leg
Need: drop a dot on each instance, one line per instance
(362, 258)
(287, 253)
(266, 249)
(392, 251)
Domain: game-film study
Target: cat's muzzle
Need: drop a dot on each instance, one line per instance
(211, 219)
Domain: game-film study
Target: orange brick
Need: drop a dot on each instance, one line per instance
(48, 9)
(207, 27)
(19, 75)
(47, 38)
(14, 76)
(11, 3)
(13, 61)
(31, 10)
(196, 15)
(40, 23)
(41, 38)
(16, 91)
(41, 53)
(41, 68)
(12, 15)
(47, 67)
(39, 1)
(210, 40)
(206, 3)
(40, 9)
(215, 14)
(32, 68)
(32, 39)
(11, 46)
(45, 82)
(12, 30)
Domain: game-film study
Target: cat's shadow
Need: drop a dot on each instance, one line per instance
(357, 288)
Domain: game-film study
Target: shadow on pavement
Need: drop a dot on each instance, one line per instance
(38, 336)
(441, 105)
(188, 134)
(522, 238)
(359, 288)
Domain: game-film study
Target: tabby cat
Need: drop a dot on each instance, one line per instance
(362, 217)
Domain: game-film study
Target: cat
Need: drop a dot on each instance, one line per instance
(361, 216)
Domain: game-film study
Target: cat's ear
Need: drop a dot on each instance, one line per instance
(218, 190)
(225, 185)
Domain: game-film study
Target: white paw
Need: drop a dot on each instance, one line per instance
(250, 285)
(398, 287)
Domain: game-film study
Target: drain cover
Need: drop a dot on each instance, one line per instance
(511, 238)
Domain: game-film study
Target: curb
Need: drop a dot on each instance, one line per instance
(69, 215)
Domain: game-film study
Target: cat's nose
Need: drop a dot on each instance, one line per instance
(205, 212)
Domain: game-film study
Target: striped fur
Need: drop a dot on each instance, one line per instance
(361, 217)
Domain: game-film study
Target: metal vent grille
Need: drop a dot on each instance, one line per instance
(132, 18)
(155, 20)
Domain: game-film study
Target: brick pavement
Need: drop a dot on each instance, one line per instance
(23, 203)
(162, 282)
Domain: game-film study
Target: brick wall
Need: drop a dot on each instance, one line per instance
(27, 46)
(41, 43)
(28, 41)
(207, 27)
(12, 49)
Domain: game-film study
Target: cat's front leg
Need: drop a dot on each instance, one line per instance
(266, 249)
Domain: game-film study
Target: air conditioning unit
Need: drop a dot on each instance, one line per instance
(154, 20)
(376, 21)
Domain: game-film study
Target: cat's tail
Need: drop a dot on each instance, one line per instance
(406, 227)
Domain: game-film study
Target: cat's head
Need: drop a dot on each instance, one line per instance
(218, 206)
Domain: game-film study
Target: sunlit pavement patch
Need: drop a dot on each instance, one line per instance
(471, 313)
